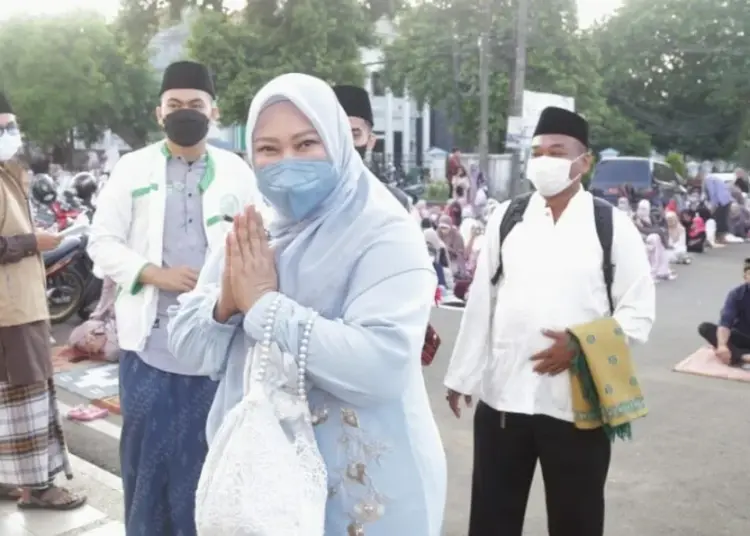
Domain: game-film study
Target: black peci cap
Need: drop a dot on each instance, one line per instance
(355, 101)
(556, 120)
(188, 75)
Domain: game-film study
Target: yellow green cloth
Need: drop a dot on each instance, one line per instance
(605, 389)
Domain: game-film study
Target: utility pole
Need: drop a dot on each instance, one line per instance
(484, 90)
(519, 83)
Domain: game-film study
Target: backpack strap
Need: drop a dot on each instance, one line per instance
(513, 215)
(603, 220)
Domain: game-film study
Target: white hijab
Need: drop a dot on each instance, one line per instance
(643, 212)
(360, 228)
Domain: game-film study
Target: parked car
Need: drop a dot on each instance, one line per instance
(637, 178)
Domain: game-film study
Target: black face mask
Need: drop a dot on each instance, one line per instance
(361, 149)
(186, 127)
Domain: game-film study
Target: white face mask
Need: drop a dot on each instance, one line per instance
(550, 175)
(9, 146)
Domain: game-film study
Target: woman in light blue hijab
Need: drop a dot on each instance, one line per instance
(342, 248)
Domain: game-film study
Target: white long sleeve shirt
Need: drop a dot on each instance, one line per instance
(552, 280)
(128, 228)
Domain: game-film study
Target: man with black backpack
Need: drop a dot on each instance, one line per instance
(553, 260)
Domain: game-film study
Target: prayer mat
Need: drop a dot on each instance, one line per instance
(91, 380)
(704, 362)
(64, 358)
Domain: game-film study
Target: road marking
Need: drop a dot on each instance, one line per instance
(100, 425)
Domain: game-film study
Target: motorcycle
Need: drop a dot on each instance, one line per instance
(85, 267)
(65, 285)
(65, 210)
(92, 285)
(71, 285)
(58, 214)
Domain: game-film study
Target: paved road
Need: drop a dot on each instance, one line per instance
(686, 473)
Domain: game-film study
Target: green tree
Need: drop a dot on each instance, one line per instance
(131, 90)
(608, 126)
(678, 68)
(245, 50)
(139, 20)
(67, 77)
(436, 56)
(383, 8)
(677, 163)
(442, 67)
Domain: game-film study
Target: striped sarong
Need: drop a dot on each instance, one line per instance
(32, 446)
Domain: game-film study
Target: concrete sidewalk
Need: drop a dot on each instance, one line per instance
(102, 515)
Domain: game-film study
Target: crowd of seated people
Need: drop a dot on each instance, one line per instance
(454, 247)
(661, 239)
(660, 244)
(715, 213)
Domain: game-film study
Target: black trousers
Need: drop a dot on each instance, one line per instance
(738, 344)
(721, 216)
(574, 466)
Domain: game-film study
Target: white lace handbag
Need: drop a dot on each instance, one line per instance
(263, 474)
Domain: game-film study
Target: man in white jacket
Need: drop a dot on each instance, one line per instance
(514, 349)
(161, 213)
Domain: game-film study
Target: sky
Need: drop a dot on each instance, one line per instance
(588, 10)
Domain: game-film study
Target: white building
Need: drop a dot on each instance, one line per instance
(397, 117)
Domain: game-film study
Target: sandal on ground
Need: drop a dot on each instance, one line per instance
(87, 413)
(8, 493)
(52, 498)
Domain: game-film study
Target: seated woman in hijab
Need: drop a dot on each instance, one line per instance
(468, 222)
(439, 257)
(698, 206)
(623, 203)
(346, 272)
(420, 210)
(455, 246)
(456, 205)
(677, 240)
(739, 220)
(654, 238)
(695, 229)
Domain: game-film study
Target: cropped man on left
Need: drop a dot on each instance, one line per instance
(32, 446)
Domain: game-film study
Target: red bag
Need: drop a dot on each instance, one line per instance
(431, 345)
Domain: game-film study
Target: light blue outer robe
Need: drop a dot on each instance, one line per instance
(359, 261)
(380, 383)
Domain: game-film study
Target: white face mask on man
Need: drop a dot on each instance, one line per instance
(10, 143)
(550, 175)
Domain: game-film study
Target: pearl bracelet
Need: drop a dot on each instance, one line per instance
(265, 348)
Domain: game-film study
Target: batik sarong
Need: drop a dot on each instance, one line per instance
(162, 447)
(32, 445)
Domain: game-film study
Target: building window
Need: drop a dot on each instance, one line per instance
(378, 88)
